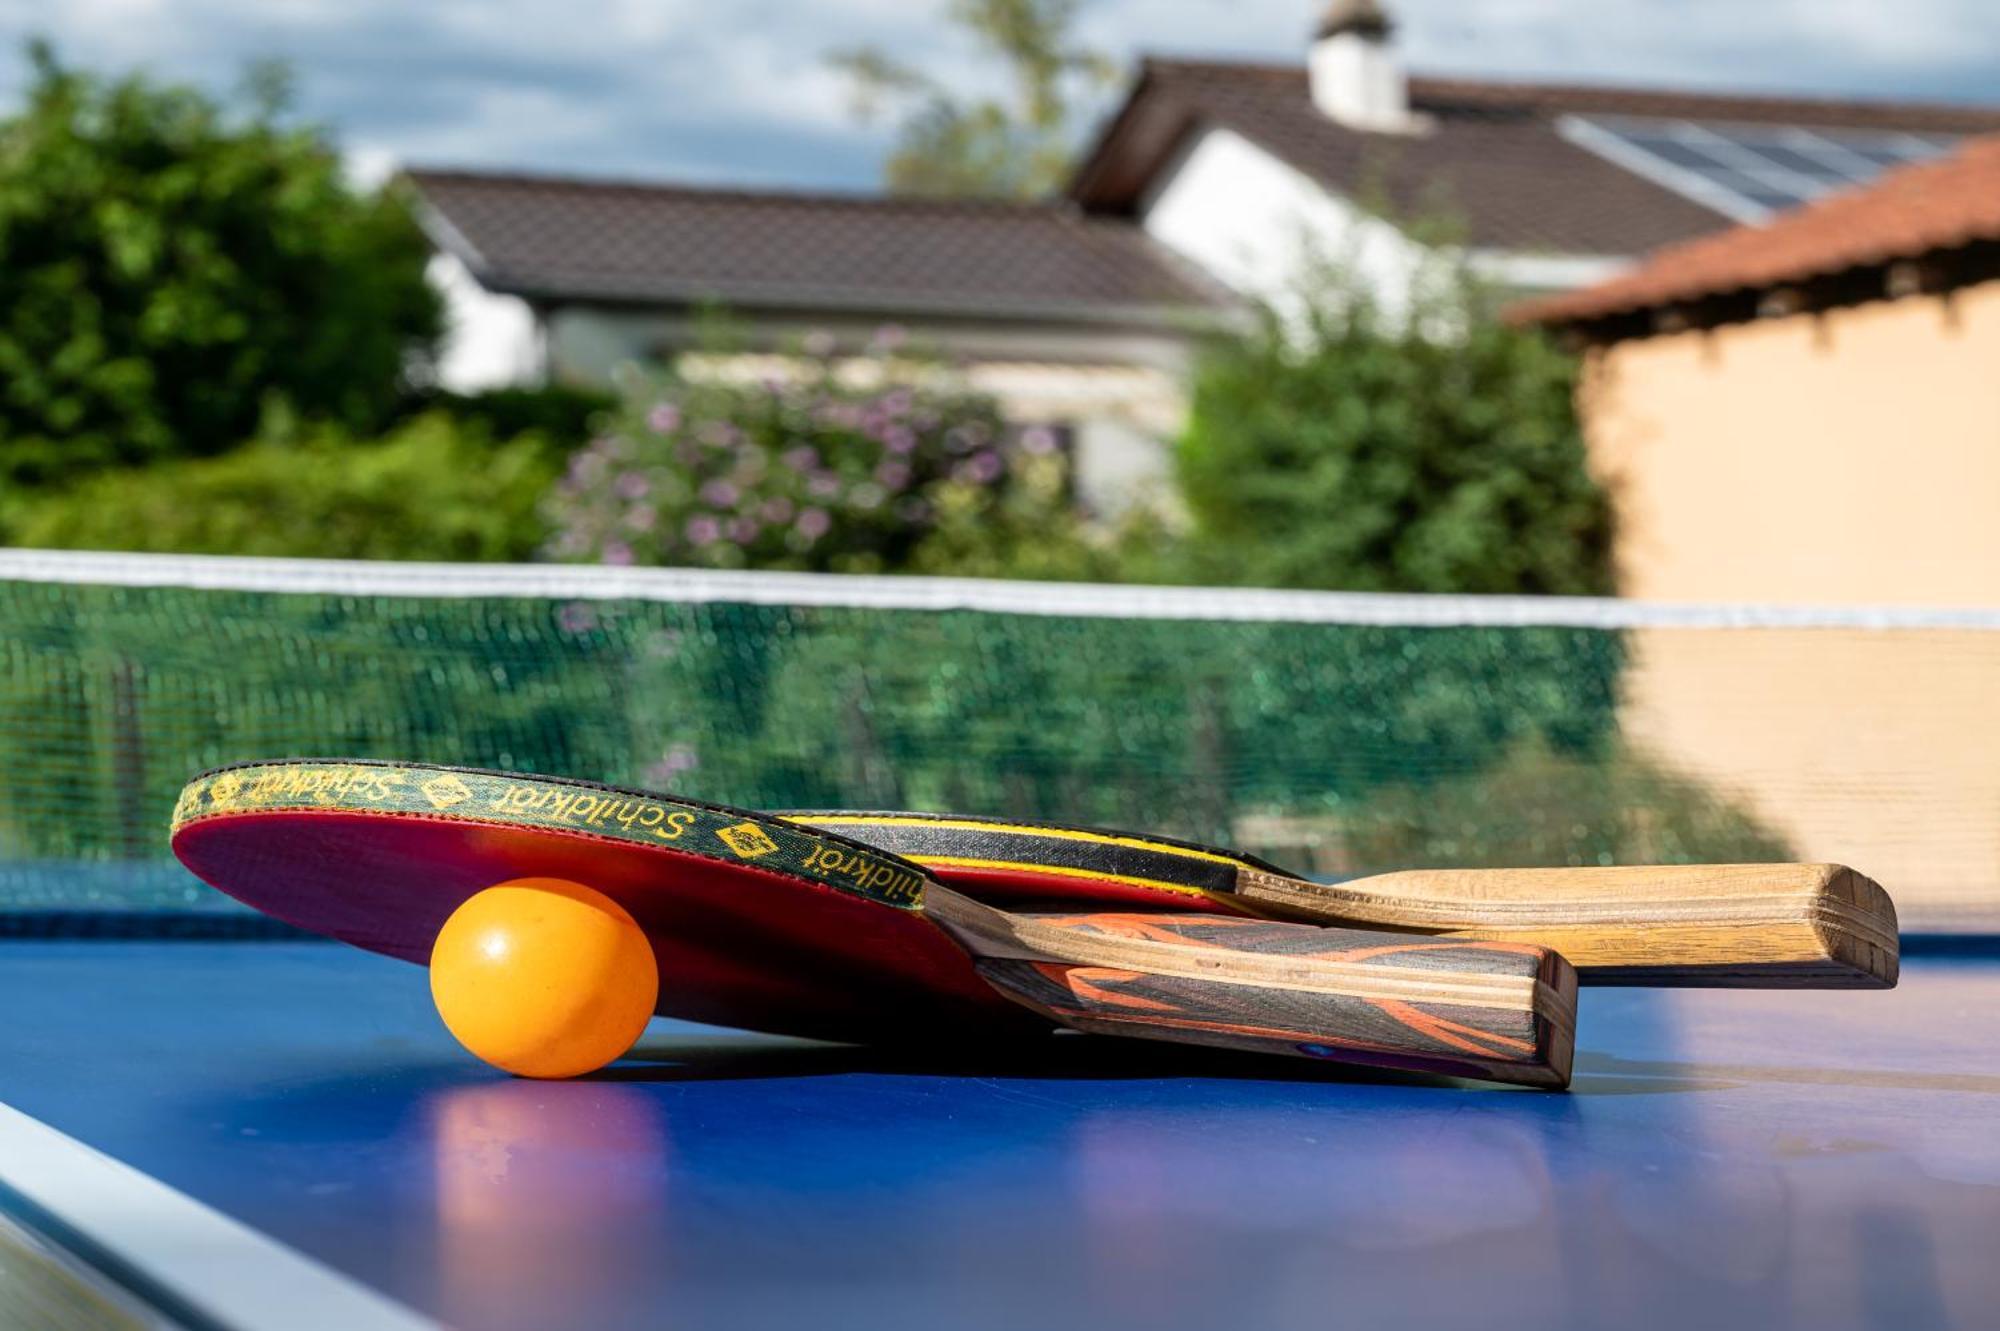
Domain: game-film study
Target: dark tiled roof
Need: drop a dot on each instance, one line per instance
(1907, 214)
(563, 239)
(1550, 99)
(1493, 157)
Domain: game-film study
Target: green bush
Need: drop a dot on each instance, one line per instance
(1341, 445)
(1178, 725)
(1032, 530)
(110, 697)
(429, 490)
(173, 268)
(562, 415)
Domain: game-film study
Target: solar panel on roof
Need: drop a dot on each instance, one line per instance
(1838, 165)
(1749, 172)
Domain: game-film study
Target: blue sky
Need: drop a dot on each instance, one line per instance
(736, 90)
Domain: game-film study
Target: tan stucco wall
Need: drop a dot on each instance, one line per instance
(1851, 456)
(1865, 747)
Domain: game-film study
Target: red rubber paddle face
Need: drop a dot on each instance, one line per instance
(752, 927)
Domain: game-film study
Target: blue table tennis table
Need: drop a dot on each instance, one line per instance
(280, 1134)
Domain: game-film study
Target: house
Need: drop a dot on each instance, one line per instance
(1069, 318)
(1206, 190)
(1809, 411)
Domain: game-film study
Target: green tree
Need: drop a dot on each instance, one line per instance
(1016, 146)
(174, 266)
(1345, 444)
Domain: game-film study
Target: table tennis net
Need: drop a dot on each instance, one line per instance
(1334, 734)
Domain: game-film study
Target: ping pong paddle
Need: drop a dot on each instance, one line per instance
(760, 923)
(1820, 926)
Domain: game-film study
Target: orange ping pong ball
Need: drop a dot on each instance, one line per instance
(544, 977)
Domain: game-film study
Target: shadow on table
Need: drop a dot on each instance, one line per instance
(1055, 1058)
(1602, 1074)
(727, 1057)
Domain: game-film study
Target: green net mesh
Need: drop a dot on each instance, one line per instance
(1336, 748)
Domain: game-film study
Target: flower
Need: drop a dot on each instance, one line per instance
(576, 617)
(797, 465)
(889, 337)
(1038, 440)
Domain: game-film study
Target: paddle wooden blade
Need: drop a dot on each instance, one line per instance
(1499, 1011)
(1820, 926)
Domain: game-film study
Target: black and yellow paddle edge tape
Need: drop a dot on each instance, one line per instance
(506, 799)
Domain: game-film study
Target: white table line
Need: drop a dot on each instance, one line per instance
(228, 1271)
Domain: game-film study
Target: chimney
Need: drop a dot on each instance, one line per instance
(1356, 78)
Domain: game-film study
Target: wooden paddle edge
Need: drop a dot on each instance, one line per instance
(1822, 926)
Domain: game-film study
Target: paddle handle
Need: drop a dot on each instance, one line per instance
(1735, 925)
(1497, 1011)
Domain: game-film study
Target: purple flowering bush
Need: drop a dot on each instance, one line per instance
(803, 472)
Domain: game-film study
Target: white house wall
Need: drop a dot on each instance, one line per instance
(592, 343)
(1260, 225)
(1523, 275)
(491, 341)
